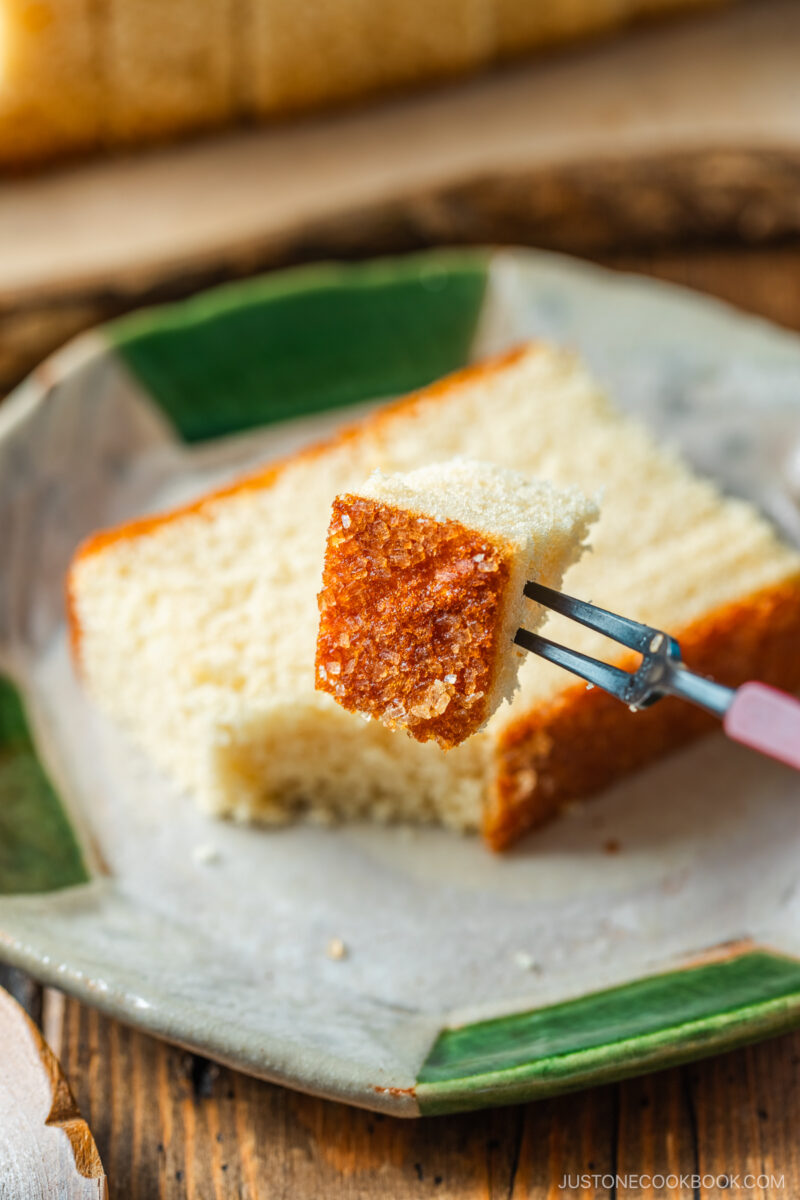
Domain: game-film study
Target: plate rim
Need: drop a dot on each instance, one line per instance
(466, 1088)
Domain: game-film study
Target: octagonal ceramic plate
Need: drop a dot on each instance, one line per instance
(470, 979)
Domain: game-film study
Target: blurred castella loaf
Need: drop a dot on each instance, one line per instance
(81, 75)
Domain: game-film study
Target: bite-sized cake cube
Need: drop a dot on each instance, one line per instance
(422, 591)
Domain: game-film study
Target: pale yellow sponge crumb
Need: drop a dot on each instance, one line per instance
(168, 66)
(50, 93)
(303, 55)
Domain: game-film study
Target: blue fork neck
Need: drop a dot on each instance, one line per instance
(713, 697)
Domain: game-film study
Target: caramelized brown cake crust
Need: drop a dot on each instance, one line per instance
(410, 612)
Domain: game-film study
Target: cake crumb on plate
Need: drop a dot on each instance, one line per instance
(336, 949)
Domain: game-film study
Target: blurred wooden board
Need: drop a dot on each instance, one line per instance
(676, 132)
(46, 1149)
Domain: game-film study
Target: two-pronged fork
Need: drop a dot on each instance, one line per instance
(756, 715)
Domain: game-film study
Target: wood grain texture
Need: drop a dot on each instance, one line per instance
(169, 1125)
(24, 990)
(46, 1148)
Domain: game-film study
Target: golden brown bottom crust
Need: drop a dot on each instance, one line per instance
(585, 740)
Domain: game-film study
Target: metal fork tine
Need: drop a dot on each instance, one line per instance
(620, 629)
(611, 679)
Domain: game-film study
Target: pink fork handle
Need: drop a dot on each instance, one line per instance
(767, 720)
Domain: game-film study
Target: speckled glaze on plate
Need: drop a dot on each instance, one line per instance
(469, 979)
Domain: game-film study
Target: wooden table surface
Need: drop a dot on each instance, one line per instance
(169, 1125)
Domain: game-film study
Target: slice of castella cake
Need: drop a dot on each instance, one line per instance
(197, 629)
(422, 591)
